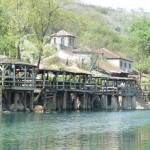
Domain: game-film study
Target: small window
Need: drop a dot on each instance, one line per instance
(120, 63)
(62, 41)
(54, 40)
(130, 66)
(125, 65)
(70, 41)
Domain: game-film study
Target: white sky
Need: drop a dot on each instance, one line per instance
(128, 4)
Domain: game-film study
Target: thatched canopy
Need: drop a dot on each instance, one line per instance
(11, 61)
(57, 64)
(76, 70)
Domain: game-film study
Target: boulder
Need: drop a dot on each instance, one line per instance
(39, 109)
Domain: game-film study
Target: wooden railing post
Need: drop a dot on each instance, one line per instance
(14, 74)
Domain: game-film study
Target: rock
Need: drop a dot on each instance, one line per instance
(39, 109)
(20, 107)
(17, 107)
(12, 107)
(27, 110)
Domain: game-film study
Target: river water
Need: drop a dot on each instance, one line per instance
(75, 131)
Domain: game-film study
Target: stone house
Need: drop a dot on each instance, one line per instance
(63, 40)
(118, 60)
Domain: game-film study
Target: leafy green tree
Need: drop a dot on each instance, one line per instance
(140, 32)
(140, 41)
(41, 15)
(17, 26)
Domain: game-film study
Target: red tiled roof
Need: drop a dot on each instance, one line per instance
(62, 33)
(112, 55)
(107, 67)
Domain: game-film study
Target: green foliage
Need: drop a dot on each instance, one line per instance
(140, 41)
(7, 45)
(141, 34)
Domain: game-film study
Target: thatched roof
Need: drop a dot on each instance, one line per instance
(108, 68)
(57, 64)
(12, 61)
(52, 63)
(76, 70)
(113, 55)
(96, 73)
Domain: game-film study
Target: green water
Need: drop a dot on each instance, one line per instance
(75, 131)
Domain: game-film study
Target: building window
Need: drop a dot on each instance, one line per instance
(125, 65)
(120, 63)
(54, 40)
(129, 66)
(62, 41)
(71, 41)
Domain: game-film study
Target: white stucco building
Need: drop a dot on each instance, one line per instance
(123, 63)
(63, 40)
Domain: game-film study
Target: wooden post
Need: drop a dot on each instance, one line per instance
(33, 77)
(120, 102)
(25, 74)
(15, 100)
(43, 80)
(25, 100)
(64, 79)
(54, 101)
(75, 101)
(133, 99)
(9, 98)
(1, 99)
(14, 75)
(89, 102)
(85, 101)
(3, 75)
(31, 100)
(65, 100)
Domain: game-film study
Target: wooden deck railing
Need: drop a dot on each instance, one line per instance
(86, 87)
(8, 81)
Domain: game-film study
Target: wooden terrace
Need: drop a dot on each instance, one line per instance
(84, 82)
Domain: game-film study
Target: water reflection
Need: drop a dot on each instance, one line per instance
(75, 131)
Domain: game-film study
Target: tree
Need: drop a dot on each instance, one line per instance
(41, 17)
(17, 25)
(140, 32)
(140, 41)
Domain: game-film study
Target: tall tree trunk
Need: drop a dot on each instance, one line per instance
(18, 51)
(40, 56)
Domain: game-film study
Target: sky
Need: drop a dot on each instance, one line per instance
(127, 4)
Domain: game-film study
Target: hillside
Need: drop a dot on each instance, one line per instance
(101, 27)
(106, 27)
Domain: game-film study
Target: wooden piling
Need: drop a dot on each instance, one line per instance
(25, 100)
(85, 101)
(54, 101)
(31, 100)
(1, 99)
(9, 95)
(65, 100)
